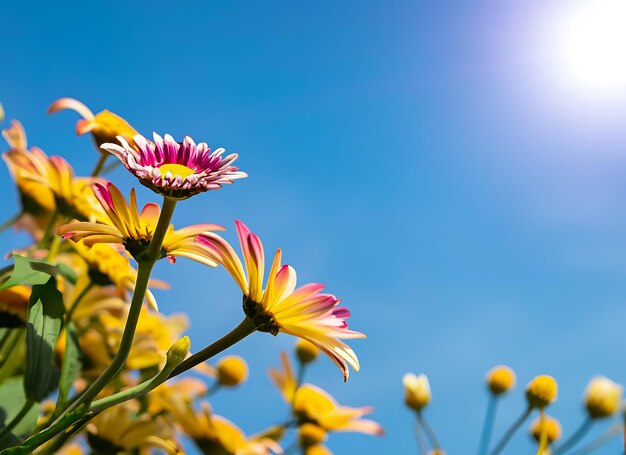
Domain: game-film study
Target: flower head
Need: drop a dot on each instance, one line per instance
(306, 351)
(541, 391)
(47, 182)
(547, 424)
(313, 405)
(500, 379)
(602, 397)
(417, 391)
(104, 126)
(304, 312)
(232, 370)
(173, 169)
(134, 229)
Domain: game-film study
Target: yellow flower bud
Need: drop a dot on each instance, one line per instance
(500, 379)
(310, 435)
(417, 391)
(602, 397)
(541, 391)
(306, 351)
(437, 452)
(551, 426)
(177, 353)
(231, 371)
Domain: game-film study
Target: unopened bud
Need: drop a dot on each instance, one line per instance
(500, 379)
(177, 353)
(417, 391)
(306, 351)
(231, 371)
(541, 391)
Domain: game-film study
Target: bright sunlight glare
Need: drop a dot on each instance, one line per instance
(591, 44)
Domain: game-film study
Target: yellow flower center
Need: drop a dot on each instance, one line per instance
(176, 170)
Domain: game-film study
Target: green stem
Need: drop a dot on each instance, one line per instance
(136, 391)
(511, 431)
(575, 437)
(419, 435)
(245, 328)
(18, 418)
(430, 434)
(490, 418)
(8, 346)
(600, 440)
(77, 300)
(110, 167)
(49, 232)
(10, 222)
(100, 164)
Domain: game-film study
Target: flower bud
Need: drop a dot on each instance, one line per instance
(177, 353)
(310, 434)
(306, 351)
(602, 397)
(417, 391)
(541, 391)
(500, 379)
(437, 452)
(551, 426)
(231, 371)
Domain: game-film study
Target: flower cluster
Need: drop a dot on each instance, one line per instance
(601, 400)
(80, 319)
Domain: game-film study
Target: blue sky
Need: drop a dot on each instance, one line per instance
(430, 162)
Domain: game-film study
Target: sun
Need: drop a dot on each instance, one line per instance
(591, 44)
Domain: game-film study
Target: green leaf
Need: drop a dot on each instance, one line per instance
(23, 273)
(32, 272)
(70, 369)
(66, 272)
(45, 314)
(12, 399)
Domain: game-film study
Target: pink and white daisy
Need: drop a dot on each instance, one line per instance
(176, 170)
(304, 312)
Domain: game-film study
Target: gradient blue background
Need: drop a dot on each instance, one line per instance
(413, 156)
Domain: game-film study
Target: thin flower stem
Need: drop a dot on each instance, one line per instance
(245, 328)
(78, 299)
(419, 435)
(215, 387)
(300, 376)
(430, 434)
(511, 431)
(9, 345)
(18, 418)
(490, 418)
(575, 437)
(604, 438)
(10, 222)
(543, 437)
(49, 232)
(100, 164)
(110, 167)
(136, 391)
